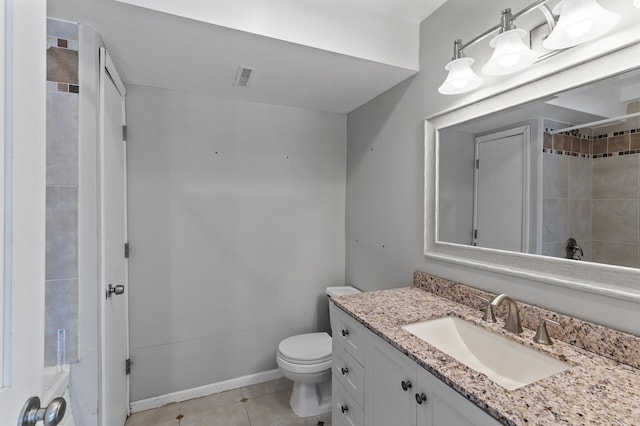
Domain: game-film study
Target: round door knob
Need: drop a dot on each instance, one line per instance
(344, 408)
(54, 412)
(117, 290)
(344, 370)
(420, 398)
(50, 416)
(345, 333)
(406, 385)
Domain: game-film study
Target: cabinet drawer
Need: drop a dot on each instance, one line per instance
(346, 411)
(349, 372)
(349, 333)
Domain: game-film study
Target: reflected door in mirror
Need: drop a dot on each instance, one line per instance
(501, 187)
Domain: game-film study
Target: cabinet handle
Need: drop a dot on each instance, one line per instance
(420, 398)
(345, 333)
(344, 408)
(344, 370)
(406, 385)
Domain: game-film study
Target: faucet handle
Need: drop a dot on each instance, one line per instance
(488, 315)
(542, 335)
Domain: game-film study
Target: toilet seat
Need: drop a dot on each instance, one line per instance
(310, 348)
(305, 353)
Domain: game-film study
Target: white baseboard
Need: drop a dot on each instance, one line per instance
(206, 390)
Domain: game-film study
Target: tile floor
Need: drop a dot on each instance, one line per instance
(265, 404)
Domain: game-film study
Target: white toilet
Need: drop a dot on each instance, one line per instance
(305, 359)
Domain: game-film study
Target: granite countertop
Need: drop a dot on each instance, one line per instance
(595, 391)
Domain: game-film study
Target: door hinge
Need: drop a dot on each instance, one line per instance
(124, 133)
(126, 250)
(127, 366)
(475, 233)
(477, 163)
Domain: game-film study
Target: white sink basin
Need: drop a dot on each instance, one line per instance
(507, 363)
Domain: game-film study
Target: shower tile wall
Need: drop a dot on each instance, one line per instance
(61, 295)
(591, 188)
(566, 191)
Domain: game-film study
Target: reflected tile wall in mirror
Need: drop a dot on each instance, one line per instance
(590, 193)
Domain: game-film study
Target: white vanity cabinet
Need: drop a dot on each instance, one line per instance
(374, 384)
(447, 407)
(351, 341)
(391, 383)
(400, 392)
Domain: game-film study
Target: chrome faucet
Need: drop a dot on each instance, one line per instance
(512, 323)
(573, 248)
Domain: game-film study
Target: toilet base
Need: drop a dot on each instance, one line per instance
(311, 399)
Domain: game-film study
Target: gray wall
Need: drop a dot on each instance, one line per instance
(456, 186)
(236, 225)
(385, 179)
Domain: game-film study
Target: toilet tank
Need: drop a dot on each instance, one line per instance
(342, 290)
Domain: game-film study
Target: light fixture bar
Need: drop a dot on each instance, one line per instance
(595, 123)
(545, 11)
(578, 21)
(482, 36)
(548, 15)
(529, 8)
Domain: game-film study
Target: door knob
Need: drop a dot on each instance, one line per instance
(117, 290)
(51, 415)
(406, 385)
(420, 398)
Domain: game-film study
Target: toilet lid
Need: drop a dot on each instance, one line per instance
(306, 348)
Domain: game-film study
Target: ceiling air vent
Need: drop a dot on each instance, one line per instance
(244, 77)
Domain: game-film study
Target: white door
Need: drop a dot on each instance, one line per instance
(502, 190)
(114, 396)
(22, 203)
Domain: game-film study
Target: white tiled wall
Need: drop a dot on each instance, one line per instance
(62, 192)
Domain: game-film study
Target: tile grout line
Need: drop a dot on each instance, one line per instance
(244, 401)
(247, 411)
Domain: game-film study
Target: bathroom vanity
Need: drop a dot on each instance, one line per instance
(384, 375)
(397, 391)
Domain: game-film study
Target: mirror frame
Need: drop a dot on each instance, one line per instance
(613, 281)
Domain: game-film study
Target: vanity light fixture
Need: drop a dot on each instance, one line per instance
(461, 77)
(510, 54)
(580, 21)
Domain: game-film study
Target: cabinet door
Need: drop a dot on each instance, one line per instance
(386, 402)
(448, 407)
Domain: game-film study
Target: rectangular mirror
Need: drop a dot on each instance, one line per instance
(516, 180)
(542, 181)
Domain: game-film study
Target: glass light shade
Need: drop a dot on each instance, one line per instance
(580, 21)
(461, 77)
(510, 54)
(636, 3)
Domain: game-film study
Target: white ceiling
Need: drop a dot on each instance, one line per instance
(602, 99)
(607, 98)
(411, 9)
(331, 65)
